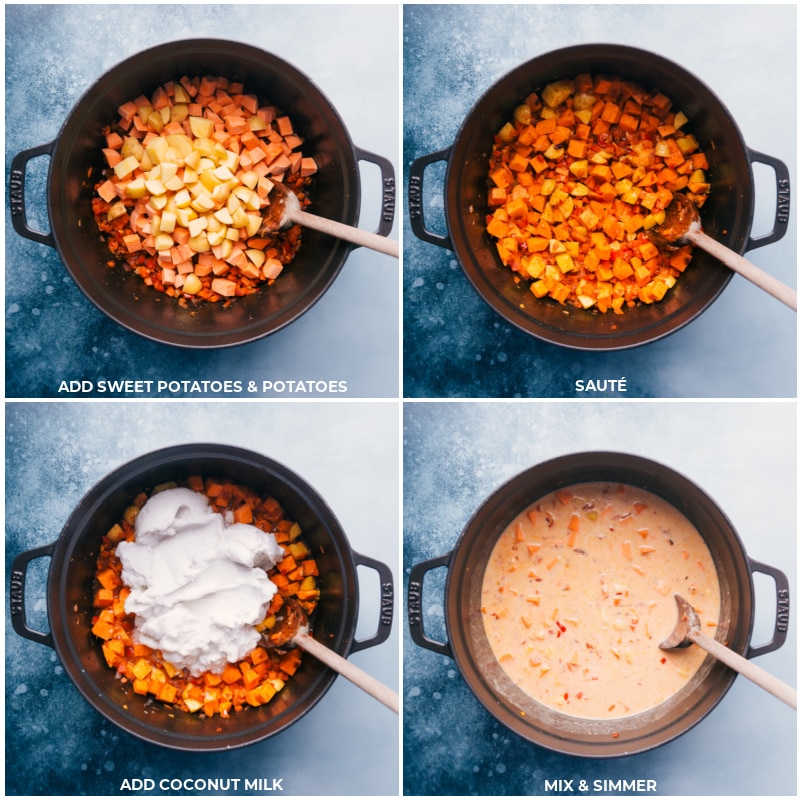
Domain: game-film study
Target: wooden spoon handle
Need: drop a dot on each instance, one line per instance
(350, 671)
(747, 668)
(745, 268)
(347, 232)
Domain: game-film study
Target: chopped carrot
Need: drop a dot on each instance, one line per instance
(571, 538)
(574, 523)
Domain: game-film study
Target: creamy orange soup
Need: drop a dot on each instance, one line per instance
(579, 592)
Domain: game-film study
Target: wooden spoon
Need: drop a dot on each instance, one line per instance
(687, 631)
(682, 223)
(284, 209)
(291, 629)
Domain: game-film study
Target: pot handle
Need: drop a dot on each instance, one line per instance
(16, 194)
(388, 183)
(782, 203)
(16, 595)
(387, 603)
(415, 623)
(781, 612)
(415, 212)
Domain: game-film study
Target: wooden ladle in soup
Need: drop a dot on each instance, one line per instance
(688, 631)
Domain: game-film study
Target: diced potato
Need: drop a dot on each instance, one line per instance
(555, 94)
(168, 221)
(583, 100)
(256, 256)
(116, 210)
(163, 241)
(506, 133)
(126, 167)
(580, 168)
(680, 119)
(201, 127)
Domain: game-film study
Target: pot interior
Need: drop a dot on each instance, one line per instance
(726, 216)
(122, 295)
(70, 595)
(517, 710)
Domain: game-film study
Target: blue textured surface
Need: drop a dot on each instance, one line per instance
(744, 345)
(54, 333)
(55, 452)
(743, 455)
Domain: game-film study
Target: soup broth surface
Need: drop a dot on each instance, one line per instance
(579, 592)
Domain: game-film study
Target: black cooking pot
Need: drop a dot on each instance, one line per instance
(468, 645)
(70, 594)
(120, 294)
(726, 216)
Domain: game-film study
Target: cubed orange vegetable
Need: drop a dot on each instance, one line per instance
(167, 693)
(243, 514)
(589, 172)
(291, 661)
(109, 579)
(231, 674)
(103, 630)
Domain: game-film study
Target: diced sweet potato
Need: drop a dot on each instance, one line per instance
(231, 674)
(607, 157)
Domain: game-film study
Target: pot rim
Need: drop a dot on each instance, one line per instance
(253, 322)
(464, 563)
(70, 652)
(597, 334)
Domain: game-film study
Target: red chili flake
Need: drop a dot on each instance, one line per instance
(615, 736)
(579, 695)
(566, 695)
(663, 660)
